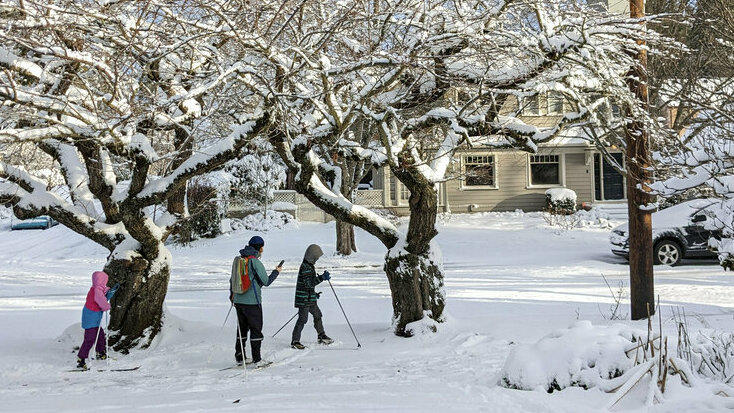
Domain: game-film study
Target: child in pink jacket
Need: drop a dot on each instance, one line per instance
(97, 303)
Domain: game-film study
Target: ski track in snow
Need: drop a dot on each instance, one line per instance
(509, 279)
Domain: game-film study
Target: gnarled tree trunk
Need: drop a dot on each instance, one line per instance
(137, 307)
(414, 269)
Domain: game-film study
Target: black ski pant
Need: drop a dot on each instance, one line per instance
(249, 318)
(303, 318)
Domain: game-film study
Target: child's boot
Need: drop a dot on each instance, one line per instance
(297, 345)
(324, 339)
(81, 364)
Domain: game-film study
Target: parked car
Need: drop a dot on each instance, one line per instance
(678, 232)
(42, 222)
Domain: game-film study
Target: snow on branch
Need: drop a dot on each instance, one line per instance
(30, 199)
(205, 160)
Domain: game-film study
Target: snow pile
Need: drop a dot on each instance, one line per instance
(267, 222)
(595, 218)
(561, 195)
(583, 355)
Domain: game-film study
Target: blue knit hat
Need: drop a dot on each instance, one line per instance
(256, 242)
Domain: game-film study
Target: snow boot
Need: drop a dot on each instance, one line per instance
(248, 361)
(297, 345)
(81, 364)
(324, 339)
(101, 356)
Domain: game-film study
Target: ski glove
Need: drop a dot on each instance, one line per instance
(326, 276)
(112, 291)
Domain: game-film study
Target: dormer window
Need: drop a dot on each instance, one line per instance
(555, 103)
(531, 105)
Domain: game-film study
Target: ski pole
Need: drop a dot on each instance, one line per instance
(107, 322)
(227, 317)
(211, 353)
(242, 351)
(99, 329)
(345, 314)
(286, 323)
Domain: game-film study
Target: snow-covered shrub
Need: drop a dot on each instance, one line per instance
(583, 355)
(560, 201)
(265, 222)
(256, 176)
(204, 213)
(712, 354)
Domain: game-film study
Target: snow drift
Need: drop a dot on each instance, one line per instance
(583, 355)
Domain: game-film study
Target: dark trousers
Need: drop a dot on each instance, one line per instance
(303, 318)
(90, 335)
(250, 319)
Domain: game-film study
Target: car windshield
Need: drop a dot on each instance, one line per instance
(681, 214)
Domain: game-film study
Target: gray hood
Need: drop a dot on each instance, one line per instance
(313, 253)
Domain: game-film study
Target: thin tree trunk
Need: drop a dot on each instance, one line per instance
(137, 307)
(642, 292)
(345, 244)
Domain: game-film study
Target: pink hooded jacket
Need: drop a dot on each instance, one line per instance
(96, 300)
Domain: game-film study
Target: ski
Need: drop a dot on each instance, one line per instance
(122, 369)
(260, 367)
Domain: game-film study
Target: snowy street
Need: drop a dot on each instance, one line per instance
(510, 278)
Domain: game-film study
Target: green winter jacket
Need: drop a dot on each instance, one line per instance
(307, 280)
(258, 276)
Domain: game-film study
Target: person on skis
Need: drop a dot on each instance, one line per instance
(248, 277)
(307, 297)
(97, 303)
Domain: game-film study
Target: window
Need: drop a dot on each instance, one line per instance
(531, 105)
(545, 170)
(555, 103)
(479, 171)
(616, 111)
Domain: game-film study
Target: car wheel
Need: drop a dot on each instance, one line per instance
(668, 253)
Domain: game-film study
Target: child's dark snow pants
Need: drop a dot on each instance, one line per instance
(250, 318)
(90, 335)
(303, 318)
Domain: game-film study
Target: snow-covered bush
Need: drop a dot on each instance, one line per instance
(560, 201)
(205, 215)
(712, 354)
(266, 222)
(583, 355)
(255, 176)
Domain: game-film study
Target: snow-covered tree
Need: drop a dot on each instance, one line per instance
(430, 77)
(101, 88)
(697, 159)
(256, 175)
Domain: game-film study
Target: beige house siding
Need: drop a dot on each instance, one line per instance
(513, 185)
(513, 190)
(580, 176)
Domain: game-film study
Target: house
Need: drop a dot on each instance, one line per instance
(484, 178)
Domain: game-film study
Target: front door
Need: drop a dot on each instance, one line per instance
(608, 182)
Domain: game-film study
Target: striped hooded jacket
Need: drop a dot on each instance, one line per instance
(307, 278)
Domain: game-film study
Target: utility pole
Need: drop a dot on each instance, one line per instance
(642, 291)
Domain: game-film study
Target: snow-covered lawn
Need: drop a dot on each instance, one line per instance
(510, 279)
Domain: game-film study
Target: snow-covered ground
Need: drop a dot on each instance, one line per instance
(510, 279)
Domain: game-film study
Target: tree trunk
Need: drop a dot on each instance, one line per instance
(642, 292)
(345, 243)
(137, 307)
(414, 269)
(177, 201)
